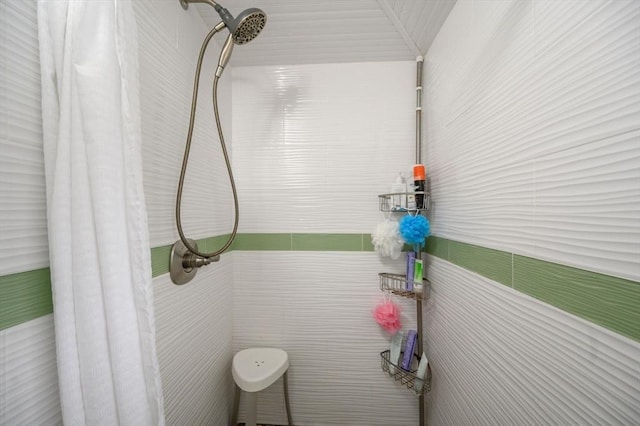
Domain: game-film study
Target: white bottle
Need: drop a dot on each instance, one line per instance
(398, 189)
(411, 197)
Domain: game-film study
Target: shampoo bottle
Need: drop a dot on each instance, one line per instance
(399, 188)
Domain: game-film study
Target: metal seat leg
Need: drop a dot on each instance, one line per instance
(286, 398)
(236, 406)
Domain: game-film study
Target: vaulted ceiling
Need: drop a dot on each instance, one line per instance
(325, 31)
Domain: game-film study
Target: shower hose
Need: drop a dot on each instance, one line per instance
(187, 149)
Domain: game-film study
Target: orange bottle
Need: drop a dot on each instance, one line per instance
(419, 179)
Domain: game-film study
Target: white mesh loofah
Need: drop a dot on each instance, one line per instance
(387, 240)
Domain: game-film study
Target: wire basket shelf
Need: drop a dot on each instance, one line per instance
(397, 284)
(406, 378)
(398, 202)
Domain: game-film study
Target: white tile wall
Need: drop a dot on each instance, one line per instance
(168, 52)
(196, 379)
(502, 358)
(23, 217)
(533, 124)
(533, 120)
(194, 345)
(28, 374)
(315, 144)
(319, 308)
(193, 321)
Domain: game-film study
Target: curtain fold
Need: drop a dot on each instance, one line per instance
(98, 232)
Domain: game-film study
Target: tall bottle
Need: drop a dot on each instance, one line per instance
(419, 179)
(399, 188)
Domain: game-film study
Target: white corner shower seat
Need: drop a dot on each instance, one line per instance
(256, 369)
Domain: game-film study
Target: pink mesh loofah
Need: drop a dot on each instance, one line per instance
(387, 314)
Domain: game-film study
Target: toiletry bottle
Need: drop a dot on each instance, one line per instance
(417, 276)
(419, 178)
(399, 188)
(411, 261)
(411, 198)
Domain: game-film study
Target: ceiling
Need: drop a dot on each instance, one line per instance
(328, 31)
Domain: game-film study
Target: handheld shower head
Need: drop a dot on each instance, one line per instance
(247, 25)
(244, 28)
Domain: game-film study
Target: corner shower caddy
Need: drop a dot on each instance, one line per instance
(396, 284)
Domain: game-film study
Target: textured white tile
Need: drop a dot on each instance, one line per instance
(23, 218)
(501, 357)
(318, 307)
(193, 321)
(587, 206)
(167, 74)
(533, 112)
(159, 19)
(28, 374)
(194, 326)
(314, 145)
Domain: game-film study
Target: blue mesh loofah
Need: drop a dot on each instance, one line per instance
(415, 229)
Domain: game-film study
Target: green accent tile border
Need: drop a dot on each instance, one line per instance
(493, 264)
(611, 302)
(608, 301)
(367, 243)
(438, 247)
(327, 242)
(262, 242)
(160, 260)
(25, 296)
(605, 300)
(213, 244)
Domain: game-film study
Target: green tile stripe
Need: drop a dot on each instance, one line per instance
(27, 295)
(602, 299)
(24, 296)
(303, 242)
(437, 246)
(611, 302)
(160, 259)
(262, 242)
(493, 264)
(327, 242)
(160, 256)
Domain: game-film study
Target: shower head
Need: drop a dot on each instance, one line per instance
(244, 28)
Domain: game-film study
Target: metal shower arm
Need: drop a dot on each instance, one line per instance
(185, 3)
(227, 17)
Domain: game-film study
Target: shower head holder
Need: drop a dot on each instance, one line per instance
(184, 263)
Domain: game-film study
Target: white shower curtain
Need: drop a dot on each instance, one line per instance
(98, 236)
